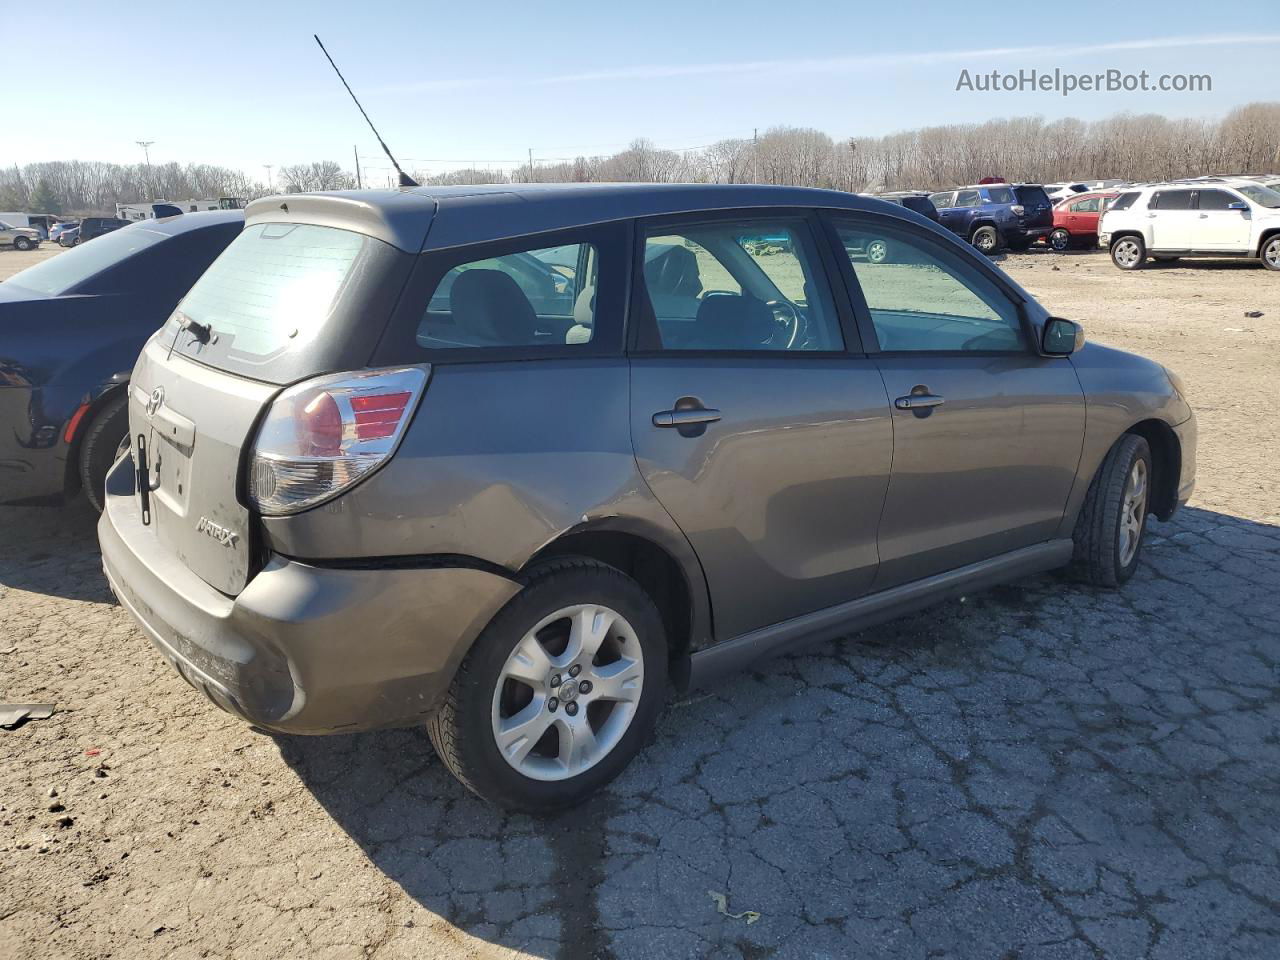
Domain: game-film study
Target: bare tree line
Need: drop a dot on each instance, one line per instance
(1127, 146)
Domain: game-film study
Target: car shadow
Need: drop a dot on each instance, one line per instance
(53, 551)
(539, 884)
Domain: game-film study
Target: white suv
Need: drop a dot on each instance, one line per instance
(1224, 218)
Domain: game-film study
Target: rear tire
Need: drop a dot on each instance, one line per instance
(877, 251)
(1060, 240)
(1113, 519)
(986, 240)
(534, 634)
(1129, 252)
(100, 444)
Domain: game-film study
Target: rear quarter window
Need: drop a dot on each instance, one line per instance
(1000, 195)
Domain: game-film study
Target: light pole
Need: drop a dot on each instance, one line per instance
(146, 152)
(270, 183)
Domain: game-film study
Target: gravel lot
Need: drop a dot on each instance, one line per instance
(1041, 771)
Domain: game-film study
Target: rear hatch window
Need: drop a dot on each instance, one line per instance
(290, 299)
(1039, 208)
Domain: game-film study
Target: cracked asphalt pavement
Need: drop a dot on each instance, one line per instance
(1040, 771)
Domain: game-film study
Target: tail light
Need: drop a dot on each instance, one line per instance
(322, 436)
(1018, 210)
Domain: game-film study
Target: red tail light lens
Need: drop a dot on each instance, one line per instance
(377, 415)
(322, 436)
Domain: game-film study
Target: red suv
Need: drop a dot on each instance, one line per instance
(1075, 220)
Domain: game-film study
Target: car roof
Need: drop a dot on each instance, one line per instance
(185, 223)
(432, 218)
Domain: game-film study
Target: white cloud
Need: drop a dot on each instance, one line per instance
(843, 65)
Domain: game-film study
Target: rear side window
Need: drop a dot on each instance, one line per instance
(1171, 200)
(543, 296)
(1124, 201)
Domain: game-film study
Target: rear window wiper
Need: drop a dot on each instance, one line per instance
(200, 331)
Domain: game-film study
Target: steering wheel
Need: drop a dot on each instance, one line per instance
(788, 318)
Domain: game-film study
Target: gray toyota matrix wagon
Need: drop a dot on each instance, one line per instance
(508, 461)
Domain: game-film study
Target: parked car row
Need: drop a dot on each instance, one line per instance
(544, 457)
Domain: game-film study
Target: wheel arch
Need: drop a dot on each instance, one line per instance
(92, 406)
(1262, 240)
(1166, 457)
(667, 571)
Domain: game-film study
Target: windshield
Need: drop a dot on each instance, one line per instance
(64, 273)
(1263, 196)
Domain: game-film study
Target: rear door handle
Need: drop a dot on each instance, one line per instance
(685, 418)
(918, 401)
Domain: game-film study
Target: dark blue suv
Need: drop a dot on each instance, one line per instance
(997, 214)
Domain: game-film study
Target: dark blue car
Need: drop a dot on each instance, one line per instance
(71, 328)
(995, 215)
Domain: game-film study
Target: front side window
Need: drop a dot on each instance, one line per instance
(543, 296)
(1124, 201)
(743, 285)
(1215, 200)
(924, 298)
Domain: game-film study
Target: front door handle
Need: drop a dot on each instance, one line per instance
(685, 418)
(919, 401)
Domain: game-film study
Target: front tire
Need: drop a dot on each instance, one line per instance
(22, 243)
(101, 443)
(559, 692)
(1129, 253)
(1270, 253)
(1113, 519)
(877, 251)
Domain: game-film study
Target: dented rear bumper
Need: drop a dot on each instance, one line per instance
(303, 648)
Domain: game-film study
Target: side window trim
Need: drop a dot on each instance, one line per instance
(833, 219)
(643, 339)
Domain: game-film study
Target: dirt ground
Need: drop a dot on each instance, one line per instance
(1041, 771)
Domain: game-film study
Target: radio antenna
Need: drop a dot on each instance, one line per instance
(405, 179)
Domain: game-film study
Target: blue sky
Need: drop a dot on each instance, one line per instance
(243, 84)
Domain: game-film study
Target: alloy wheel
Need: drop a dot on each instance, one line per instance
(1272, 253)
(568, 692)
(1126, 253)
(1133, 511)
(877, 251)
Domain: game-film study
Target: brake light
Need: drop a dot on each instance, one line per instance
(1018, 210)
(322, 436)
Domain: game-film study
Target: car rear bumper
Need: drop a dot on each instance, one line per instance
(302, 649)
